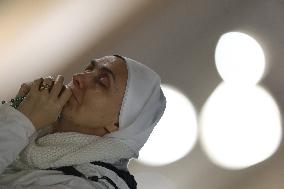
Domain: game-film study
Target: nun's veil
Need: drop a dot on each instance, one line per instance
(142, 107)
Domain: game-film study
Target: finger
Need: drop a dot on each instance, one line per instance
(53, 80)
(24, 90)
(64, 97)
(49, 82)
(50, 76)
(58, 84)
(35, 85)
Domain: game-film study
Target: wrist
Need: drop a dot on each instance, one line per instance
(34, 121)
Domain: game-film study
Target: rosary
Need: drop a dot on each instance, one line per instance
(15, 102)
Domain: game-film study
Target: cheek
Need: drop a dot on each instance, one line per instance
(91, 108)
(103, 110)
(94, 116)
(95, 101)
(101, 105)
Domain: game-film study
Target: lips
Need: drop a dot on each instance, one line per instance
(74, 95)
(71, 86)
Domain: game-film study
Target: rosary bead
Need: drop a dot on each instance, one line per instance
(15, 102)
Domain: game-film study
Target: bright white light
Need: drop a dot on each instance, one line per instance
(175, 134)
(240, 126)
(151, 180)
(239, 58)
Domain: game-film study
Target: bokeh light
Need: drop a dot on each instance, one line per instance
(239, 58)
(241, 126)
(175, 134)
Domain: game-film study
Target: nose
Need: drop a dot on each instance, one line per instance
(80, 80)
(77, 81)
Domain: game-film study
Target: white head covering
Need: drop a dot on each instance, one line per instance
(142, 107)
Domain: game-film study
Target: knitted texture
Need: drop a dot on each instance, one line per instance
(70, 148)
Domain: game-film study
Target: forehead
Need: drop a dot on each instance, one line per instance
(115, 64)
(112, 62)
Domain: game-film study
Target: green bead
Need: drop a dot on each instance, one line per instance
(12, 100)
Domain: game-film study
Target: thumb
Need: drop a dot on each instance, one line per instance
(66, 94)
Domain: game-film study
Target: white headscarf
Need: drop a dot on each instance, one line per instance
(142, 107)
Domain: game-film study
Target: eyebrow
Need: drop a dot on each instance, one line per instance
(105, 69)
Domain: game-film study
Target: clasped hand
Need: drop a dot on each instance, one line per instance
(43, 107)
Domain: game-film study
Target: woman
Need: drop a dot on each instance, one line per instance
(84, 134)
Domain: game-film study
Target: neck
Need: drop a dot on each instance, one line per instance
(62, 125)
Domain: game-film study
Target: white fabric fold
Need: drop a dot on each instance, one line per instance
(142, 107)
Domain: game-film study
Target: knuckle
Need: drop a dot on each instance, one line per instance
(39, 79)
(51, 77)
(60, 78)
(47, 79)
(27, 84)
(24, 85)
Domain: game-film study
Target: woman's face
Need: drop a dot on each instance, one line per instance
(97, 94)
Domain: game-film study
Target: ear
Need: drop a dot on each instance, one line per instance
(111, 128)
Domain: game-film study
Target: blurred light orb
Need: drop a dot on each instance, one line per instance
(176, 133)
(240, 127)
(151, 180)
(239, 58)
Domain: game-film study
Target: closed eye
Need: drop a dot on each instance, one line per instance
(87, 69)
(104, 80)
